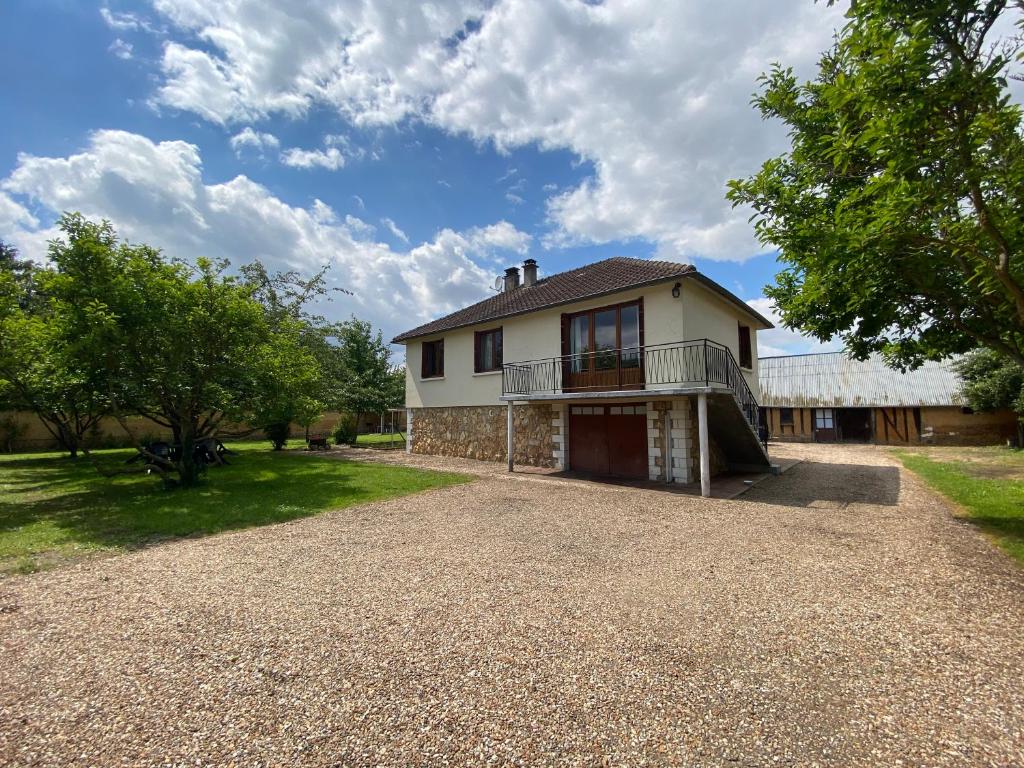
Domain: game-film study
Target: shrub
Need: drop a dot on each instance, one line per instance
(278, 434)
(11, 430)
(345, 433)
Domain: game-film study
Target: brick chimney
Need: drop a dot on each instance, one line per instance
(529, 272)
(511, 278)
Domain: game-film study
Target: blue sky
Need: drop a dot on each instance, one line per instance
(416, 149)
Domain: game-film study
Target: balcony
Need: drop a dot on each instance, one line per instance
(679, 367)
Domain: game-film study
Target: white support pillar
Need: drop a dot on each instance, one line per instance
(702, 436)
(511, 439)
(666, 448)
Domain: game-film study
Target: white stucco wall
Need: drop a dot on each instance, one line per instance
(698, 313)
(706, 315)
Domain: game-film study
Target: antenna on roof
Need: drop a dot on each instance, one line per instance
(499, 284)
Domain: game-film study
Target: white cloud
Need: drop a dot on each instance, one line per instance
(154, 193)
(501, 236)
(358, 227)
(513, 198)
(121, 49)
(372, 59)
(250, 139)
(331, 158)
(662, 114)
(124, 21)
(337, 151)
(783, 341)
(395, 229)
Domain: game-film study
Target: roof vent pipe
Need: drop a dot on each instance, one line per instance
(529, 272)
(511, 278)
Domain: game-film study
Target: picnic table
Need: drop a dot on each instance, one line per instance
(209, 450)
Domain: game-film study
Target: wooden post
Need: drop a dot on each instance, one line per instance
(705, 453)
(511, 441)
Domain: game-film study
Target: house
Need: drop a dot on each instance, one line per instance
(625, 368)
(829, 398)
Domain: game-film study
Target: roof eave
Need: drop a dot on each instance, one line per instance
(402, 338)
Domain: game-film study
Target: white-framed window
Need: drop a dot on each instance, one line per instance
(823, 418)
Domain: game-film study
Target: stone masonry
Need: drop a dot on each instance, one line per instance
(480, 432)
(680, 440)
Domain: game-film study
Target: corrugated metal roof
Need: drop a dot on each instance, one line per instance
(832, 380)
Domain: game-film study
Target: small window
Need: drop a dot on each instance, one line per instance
(746, 353)
(433, 359)
(823, 418)
(786, 417)
(487, 351)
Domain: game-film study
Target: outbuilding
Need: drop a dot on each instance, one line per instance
(828, 398)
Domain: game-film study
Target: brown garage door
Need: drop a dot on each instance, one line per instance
(608, 440)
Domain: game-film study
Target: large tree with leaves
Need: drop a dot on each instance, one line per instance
(39, 371)
(369, 383)
(188, 346)
(899, 208)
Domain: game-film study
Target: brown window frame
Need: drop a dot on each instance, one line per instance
(592, 330)
(782, 417)
(746, 347)
(478, 337)
(438, 356)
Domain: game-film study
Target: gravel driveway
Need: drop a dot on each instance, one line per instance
(836, 615)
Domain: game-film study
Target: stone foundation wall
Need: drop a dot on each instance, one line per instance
(681, 441)
(480, 432)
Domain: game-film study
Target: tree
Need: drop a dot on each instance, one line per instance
(186, 346)
(368, 381)
(992, 382)
(38, 370)
(285, 297)
(898, 208)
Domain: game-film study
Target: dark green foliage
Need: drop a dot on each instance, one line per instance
(898, 208)
(278, 434)
(186, 346)
(346, 431)
(40, 368)
(368, 383)
(992, 381)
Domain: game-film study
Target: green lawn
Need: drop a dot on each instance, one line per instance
(53, 509)
(988, 483)
(385, 439)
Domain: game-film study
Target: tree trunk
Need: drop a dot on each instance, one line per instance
(188, 469)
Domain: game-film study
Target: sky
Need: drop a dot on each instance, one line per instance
(417, 149)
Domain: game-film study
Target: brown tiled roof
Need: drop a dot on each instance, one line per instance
(590, 281)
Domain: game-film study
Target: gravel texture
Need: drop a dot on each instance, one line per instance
(836, 615)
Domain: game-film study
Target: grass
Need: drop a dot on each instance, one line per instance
(384, 439)
(988, 483)
(54, 509)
